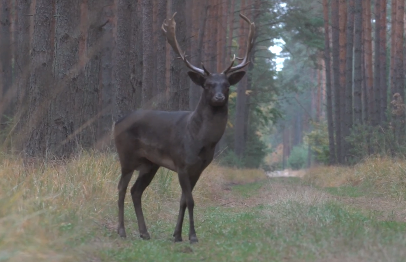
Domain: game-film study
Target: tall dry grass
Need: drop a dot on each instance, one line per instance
(45, 206)
(385, 176)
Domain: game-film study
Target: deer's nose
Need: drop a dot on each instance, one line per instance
(219, 98)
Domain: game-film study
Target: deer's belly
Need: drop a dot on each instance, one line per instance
(159, 158)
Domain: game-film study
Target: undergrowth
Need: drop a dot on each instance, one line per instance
(379, 175)
(52, 210)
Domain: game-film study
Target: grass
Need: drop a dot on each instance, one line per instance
(248, 190)
(66, 211)
(380, 176)
(350, 191)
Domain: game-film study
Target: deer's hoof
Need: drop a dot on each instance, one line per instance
(178, 239)
(145, 236)
(193, 239)
(121, 232)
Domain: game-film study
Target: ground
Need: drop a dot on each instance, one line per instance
(281, 219)
(67, 212)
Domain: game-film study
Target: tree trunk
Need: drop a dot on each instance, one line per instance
(329, 105)
(400, 78)
(368, 59)
(63, 139)
(7, 93)
(336, 75)
(147, 55)
(100, 44)
(230, 30)
(348, 116)
(377, 65)
(358, 62)
(179, 81)
(85, 115)
(161, 55)
(241, 103)
(22, 67)
(213, 36)
(121, 70)
(393, 47)
(41, 79)
(199, 19)
(136, 62)
(383, 65)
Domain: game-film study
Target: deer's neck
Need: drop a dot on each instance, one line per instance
(208, 123)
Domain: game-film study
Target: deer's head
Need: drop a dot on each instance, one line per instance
(215, 85)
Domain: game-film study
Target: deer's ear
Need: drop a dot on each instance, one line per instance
(236, 77)
(197, 78)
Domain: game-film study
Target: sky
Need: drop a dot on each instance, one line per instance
(277, 49)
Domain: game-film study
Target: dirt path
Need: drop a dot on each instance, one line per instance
(275, 191)
(384, 209)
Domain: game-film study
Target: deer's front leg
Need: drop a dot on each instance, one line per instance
(178, 229)
(187, 186)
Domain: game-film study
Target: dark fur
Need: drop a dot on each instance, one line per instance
(180, 141)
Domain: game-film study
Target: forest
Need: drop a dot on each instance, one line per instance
(69, 70)
(311, 166)
(72, 68)
(349, 103)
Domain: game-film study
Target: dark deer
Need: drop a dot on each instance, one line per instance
(181, 141)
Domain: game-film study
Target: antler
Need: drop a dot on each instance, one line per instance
(169, 28)
(250, 43)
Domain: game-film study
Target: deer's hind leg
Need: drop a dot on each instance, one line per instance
(147, 173)
(126, 175)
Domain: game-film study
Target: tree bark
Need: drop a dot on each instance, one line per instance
(358, 62)
(161, 56)
(348, 115)
(121, 70)
(7, 93)
(241, 103)
(62, 122)
(147, 55)
(383, 65)
(198, 24)
(136, 54)
(336, 75)
(98, 69)
(399, 77)
(23, 62)
(329, 105)
(179, 99)
(41, 79)
(368, 59)
(377, 65)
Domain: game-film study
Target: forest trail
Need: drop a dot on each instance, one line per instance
(286, 191)
(279, 187)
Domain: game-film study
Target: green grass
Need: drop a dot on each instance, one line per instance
(248, 190)
(288, 230)
(67, 212)
(350, 191)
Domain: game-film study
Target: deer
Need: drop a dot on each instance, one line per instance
(181, 141)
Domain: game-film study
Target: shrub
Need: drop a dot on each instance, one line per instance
(230, 159)
(319, 143)
(298, 157)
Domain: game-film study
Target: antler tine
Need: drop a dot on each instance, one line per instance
(169, 28)
(205, 70)
(250, 43)
(231, 65)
